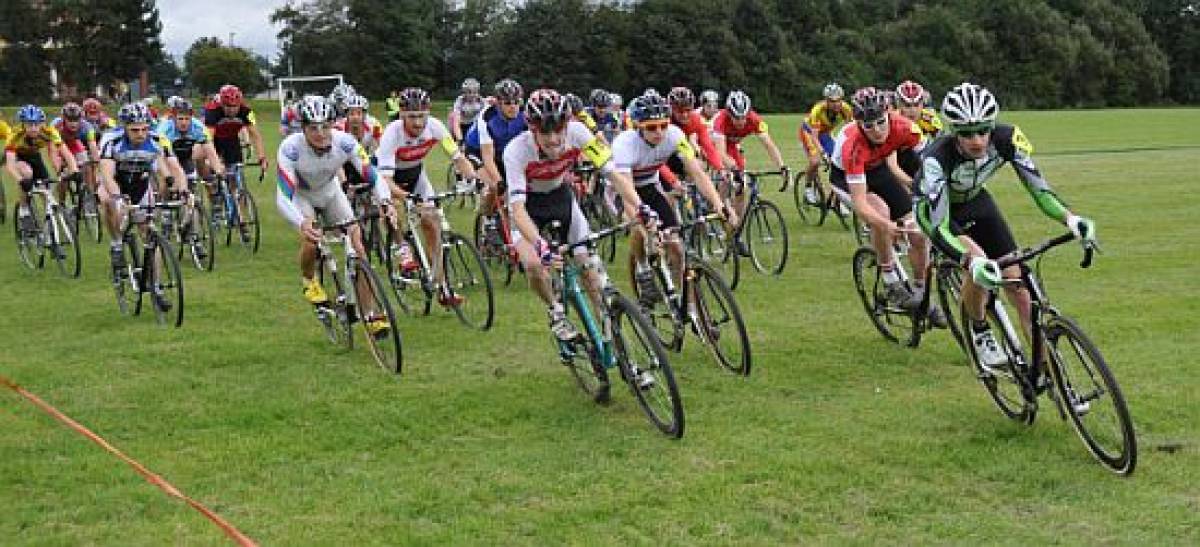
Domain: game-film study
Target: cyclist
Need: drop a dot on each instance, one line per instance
(289, 120)
(309, 163)
(338, 96)
(94, 113)
(580, 114)
(735, 122)
(392, 105)
(956, 210)
(537, 162)
(880, 195)
(401, 155)
(129, 159)
(187, 136)
(496, 126)
(638, 156)
(609, 121)
(912, 100)
(23, 157)
(360, 124)
(816, 132)
(80, 138)
(685, 116)
(225, 122)
(465, 109)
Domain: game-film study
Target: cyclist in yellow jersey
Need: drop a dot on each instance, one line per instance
(575, 104)
(816, 132)
(23, 155)
(911, 98)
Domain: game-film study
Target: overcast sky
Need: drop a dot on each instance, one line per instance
(183, 21)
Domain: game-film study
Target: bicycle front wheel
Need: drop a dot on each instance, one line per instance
(806, 193)
(766, 235)
(62, 238)
(644, 366)
(467, 277)
(717, 319)
(165, 282)
(713, 245)
(378, 319)
(490, 244)
(29, 246)
(1007, 385)
(127, 279)
(198, 240)
(248, 225)
(1090, 397)
(895, 323)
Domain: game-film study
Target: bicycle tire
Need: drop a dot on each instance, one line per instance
(334, 315)
(1122, 460)
(88, 215)
(249, 219)
(949, 287)
(1009, 390)
(458, 260)
(494, 253)
(712, 244)
(126, 282)
(202, 229)
(581, 357)
(712, 311)
(660, 402)
(63, 240)
(659, 313)
(895, 324)
(809, 212)
(169, 281)
(764, 230)
(386, 347)
(3, 205)
(29, 250)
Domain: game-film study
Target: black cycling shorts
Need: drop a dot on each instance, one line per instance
(984, 224)
(407, 177)
(881, 182)
(556, 204)
(230, 150)
(37, 165)
(653, 196)
(676, 165)
(134, 185)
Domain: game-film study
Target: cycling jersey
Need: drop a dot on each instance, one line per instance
(76, 139)
(307, 178)
(403, 154)
(929, 122)
(367, 134)
(465, 109)
(222, 127)
(610, 123)
(586, 119)
(855, 154)
(723, 126)
(695, 126)
(531, 172)
(182, 141)
(24, 144)
(634, 156)
(823, 119)
(494, 128)
(5, 131)
(949, 180)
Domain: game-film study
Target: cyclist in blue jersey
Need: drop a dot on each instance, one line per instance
(496, 126)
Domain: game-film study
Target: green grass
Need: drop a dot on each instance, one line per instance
(838, 437)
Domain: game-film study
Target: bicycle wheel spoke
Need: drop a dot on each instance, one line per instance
(643, 363)
(468, 278)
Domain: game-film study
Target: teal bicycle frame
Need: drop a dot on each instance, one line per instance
(574, 293)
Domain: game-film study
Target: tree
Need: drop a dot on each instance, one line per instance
(98, 42)
(210, 64)
(24, 61)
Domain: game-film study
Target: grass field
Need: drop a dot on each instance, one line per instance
(837, 437)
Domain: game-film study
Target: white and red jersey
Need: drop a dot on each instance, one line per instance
(368, 134)
(398, 149)
(529, 169)
(855, 154)
(635, 157)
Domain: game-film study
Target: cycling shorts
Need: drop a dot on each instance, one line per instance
(330, 203)
(881, 182)
(558, 204)
(652, 195)
(984, 224)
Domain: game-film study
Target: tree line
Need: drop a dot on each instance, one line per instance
(1033, 53)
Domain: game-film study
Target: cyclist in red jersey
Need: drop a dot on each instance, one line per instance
(94, 113)
(80, 138)
(226, 120)
(733, 123)
(880, 195)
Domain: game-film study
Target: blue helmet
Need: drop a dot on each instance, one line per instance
(31, 113)
(650, 106)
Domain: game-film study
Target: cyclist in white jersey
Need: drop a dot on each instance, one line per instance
(401, 155)
(638, 155)
(309, 163)
(536, 162)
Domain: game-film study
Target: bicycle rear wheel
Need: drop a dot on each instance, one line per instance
(713, 246)
(196, 240)
(766, 235)
(808, 197)
(895, 323)
(467, 276)
(1090, 397)
(490, 244)
(88, 214)
(717, 319)
(1008, 386)
(373, 305)
(165, 282)
(644, 366)
(62, 239)
(29, 246)
(249, 229)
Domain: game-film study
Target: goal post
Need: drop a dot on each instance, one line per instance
(293, 87)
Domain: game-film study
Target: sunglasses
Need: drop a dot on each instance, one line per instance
(323, 126)
(969, 131)
(657, 125)
(877, 123)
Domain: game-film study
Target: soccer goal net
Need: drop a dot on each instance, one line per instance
(292, 88)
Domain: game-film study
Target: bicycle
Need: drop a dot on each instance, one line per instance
(366, 210)
(762, 230)
(493, 239)
(49, 228)
(709, 241)
(704, 303)
(232, 208)
(84, 204)
(813, 201)
(1076, 389)
(465, 190)
(608, 340)
(590, 188)
(464, 270)
(149, 263)
(192, 232)
(896, 322)
(338, 315)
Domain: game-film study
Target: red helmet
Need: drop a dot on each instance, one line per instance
(92, 106)
(910, 93)
(230, 95)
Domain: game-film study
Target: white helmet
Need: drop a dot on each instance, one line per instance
(738, 103)
(833, 91)
(970, 104)
(357, 101)
(616, 100)
(710, 97)
(315, 109)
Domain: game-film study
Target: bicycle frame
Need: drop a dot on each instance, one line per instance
(573, 292)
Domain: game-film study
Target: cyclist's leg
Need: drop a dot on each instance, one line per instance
(668, 222)
(431, 228)
(991, 233)
(25, 172)
(743, 190)
(807, 144)
(594, 276)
